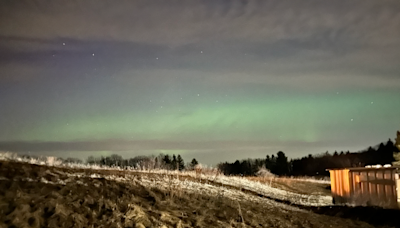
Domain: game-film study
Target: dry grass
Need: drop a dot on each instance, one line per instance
(295, 185)
(43, 196)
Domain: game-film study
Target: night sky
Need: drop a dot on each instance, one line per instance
(215, 80)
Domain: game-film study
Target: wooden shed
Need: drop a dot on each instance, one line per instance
(373, 186)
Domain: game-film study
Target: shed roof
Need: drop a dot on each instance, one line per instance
(370, 168)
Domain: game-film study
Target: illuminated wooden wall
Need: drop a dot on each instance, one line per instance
(365, 186)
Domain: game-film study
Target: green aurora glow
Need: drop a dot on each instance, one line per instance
(215, 80)
(303, 118)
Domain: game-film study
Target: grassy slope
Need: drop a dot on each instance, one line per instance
(42, 196)
(299, 186)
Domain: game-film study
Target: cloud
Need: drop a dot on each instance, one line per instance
(266, 42)
(182, 22)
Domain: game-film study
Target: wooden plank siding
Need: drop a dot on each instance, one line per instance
(365, 186)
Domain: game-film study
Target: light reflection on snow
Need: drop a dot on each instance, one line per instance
(167, 179)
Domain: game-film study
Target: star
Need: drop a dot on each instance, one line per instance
(63, 44)
(198, 94)
(201, 52)
(93, 54)
(351, 119)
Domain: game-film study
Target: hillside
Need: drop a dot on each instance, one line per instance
(33, 195)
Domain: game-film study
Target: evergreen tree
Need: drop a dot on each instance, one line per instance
(193, 163)
(167, 160)
(174, 162)
(282, 165)
(180, 162)
(386, 154)
(268, 163)
(236, 168)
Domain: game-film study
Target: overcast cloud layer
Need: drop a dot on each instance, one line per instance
(338, 38)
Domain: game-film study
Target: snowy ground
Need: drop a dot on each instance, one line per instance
(47, 193)
(167, 178)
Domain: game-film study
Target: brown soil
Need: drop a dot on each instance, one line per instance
(42, 196)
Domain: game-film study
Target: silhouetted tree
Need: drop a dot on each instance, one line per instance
(282, 165)
(180, 162)
(91, 160)
(174, 162)
(115, 159)
(167, 160)
(193, 163)
(73, 160)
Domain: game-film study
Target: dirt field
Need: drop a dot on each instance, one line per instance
(45, 196)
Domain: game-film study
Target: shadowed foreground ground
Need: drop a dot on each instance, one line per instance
(42, 196)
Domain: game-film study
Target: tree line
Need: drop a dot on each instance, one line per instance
(310, 165)
(162, 161)
(316, 165)
(278, 165)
